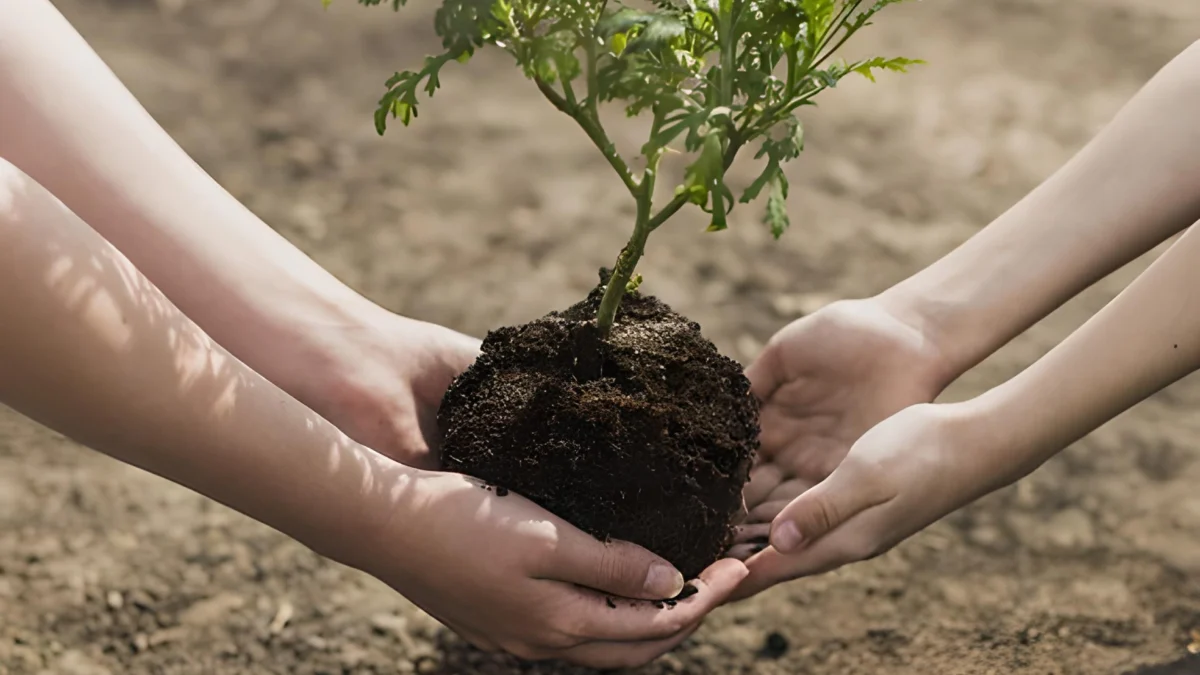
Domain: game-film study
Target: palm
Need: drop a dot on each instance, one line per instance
(824, 381)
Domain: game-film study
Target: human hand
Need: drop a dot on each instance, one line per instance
(901, 476)
(505, 574)
(380, 378)
(824, 380)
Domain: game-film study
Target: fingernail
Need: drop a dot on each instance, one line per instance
(663, 581)
(786, 538)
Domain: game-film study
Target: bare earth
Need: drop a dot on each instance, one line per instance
(493, 210)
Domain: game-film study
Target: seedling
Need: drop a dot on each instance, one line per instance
(616, 414)
(715, 76)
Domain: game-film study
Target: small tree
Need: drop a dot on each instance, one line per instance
(714, 75)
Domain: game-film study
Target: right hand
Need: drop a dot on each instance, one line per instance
(824, 380)
(506, 574)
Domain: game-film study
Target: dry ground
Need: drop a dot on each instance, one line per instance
(494, 210)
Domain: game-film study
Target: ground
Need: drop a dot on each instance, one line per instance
(494, 210)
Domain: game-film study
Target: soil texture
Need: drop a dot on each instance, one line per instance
(493, 209)
(645, 436)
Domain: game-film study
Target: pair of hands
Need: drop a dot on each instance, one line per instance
(501, 572)
(851, 464)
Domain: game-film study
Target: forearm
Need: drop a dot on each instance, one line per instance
(1144, 340)
(89, 347)
(1131, 188)
(66, 120)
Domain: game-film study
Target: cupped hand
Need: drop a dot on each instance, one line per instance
(381, 378)
(904, 474)
(506, 574)
(823, 381)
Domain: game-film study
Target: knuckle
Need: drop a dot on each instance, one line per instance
(572, 635)
(613, 568)
(526, 651)
(821, 518)
(863, 548)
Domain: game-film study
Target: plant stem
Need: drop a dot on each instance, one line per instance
(673, 206)
(594, 131)
(627, 261)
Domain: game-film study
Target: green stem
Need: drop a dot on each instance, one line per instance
(673, 206)
(626, 262)
(594, 131)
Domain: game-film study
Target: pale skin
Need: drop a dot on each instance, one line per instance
(148, 315)
(851, 444)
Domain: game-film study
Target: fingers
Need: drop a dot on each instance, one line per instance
(853, 542)
(643, 621)
(767, 511)
(748, 540)
(764, 478)
(765, 373)
(617, 568)
(821, 509)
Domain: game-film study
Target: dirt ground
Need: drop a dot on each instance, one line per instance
(494, 210)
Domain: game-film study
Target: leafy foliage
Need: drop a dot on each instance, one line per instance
(715, 75)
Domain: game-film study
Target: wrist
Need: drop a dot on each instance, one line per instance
(961, 312)
(921, 318)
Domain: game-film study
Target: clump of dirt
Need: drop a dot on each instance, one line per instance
(647, 435)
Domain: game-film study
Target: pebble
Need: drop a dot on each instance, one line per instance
(282, 617)
(211, 610)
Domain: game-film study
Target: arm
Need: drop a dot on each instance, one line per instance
(829, 377)
(1133, 186)
(91, 348)
(929, 460)
(68, 122)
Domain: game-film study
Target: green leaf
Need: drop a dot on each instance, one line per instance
(658, 32)
(702, 175)
(620, 21)
(898, 64)
(776, 216)
(819, 14)
(718, 74)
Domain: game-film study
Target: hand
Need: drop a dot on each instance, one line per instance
(824, 380)
(381, 379)
(904, 474)
(506, 574)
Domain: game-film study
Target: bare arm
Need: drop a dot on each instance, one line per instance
(931, 459)
(112, 164)
(378, 376)
(91, 348)
(1145, 339)
(1132, 187)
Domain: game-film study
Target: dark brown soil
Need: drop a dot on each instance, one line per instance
(646, 436)
(495, 209)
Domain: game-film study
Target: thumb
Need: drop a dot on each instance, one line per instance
(616, 567)
(820, 510)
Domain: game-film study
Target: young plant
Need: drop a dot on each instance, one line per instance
(644, 434)
(714, 75)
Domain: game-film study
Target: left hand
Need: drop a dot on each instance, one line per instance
(382, 379)
(901, 476)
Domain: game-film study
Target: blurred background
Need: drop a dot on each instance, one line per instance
(494, 209)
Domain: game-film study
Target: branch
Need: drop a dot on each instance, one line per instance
(673, 206)
(593, 130)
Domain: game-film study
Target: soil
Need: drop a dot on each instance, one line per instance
(646, 435)
(492, 210)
